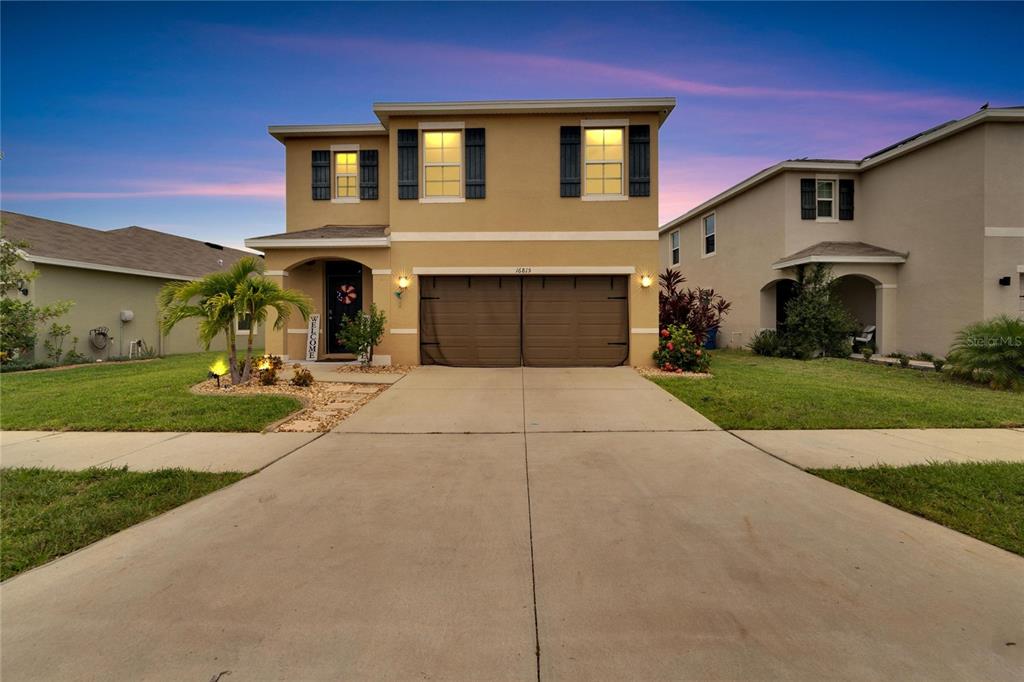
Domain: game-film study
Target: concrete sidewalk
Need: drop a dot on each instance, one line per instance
(147, 451)
(830, 448)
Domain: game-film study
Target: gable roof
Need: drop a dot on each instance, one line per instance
(131, 250)
(934, 134)
(841, 252)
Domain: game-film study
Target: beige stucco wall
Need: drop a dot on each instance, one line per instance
(302, 213)
(933, 203)
(750, 236)
(99, 297)
(522, 176)
(404, 258)
(1004, 207)
(523, 182)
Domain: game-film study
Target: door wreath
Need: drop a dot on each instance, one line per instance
(347, 294)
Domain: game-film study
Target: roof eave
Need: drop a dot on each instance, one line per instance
(285, 132)
(663, 106)
(84, 265)
(361, 243)
(857, 260)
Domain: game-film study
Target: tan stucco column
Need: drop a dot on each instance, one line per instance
(276, 339)
(885, 322)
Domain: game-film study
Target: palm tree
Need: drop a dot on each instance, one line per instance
(254, 298)
(222, 297)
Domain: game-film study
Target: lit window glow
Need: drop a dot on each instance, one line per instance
(603, 160)
(346, 168)
(442, 163)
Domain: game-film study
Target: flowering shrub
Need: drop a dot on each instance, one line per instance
(678, 351)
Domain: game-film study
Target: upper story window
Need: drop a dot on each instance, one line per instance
(826, 199)
(674, 246)
(709, 235)
(603, 161)
(442, 163)
(346, 175)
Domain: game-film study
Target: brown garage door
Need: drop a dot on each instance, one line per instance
(470, 321)
(540, 321)
(575, 321)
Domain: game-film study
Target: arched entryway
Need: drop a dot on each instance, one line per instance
(858, 295)
(774, 297)
(338, 287)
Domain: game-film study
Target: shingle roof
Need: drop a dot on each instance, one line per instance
(131, 248)
(826, 252)
(332, 232)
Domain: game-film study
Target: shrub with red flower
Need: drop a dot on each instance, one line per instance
(678, 351)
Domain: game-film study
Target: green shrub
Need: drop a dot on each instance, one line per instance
(867, 351)
(990, 352)
(678, 350)
(938, 364)
(361, 332)
(816, 322)
(765, 342)
(303, 377)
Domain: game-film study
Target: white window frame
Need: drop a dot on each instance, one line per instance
(254, 328)
(704, 236)
(442, 126)
(622, 123)
(335, 199)
(675, 253)
(834, 218)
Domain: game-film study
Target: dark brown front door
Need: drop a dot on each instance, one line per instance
(344, 297)
(508, 321)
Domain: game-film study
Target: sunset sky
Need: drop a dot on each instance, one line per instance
(155, 114)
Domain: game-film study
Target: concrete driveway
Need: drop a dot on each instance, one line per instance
(469, 518)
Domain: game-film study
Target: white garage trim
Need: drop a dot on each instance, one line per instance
(643, 330)
(1004, 231)
(381, 271)
(529, 270)
(404, 331)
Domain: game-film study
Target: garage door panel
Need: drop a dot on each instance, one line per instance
(577, 321)
(470, 321)
(556, 321)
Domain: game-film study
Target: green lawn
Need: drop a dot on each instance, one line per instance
(146, 396)
(984, 500)
(753, 392)
(47, 514)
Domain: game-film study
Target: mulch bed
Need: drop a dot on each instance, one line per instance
(655, 373)
(373, 369)
(326, 404)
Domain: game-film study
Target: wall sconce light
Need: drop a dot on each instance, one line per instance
(646, 281)
(1004, 281)
(403, 284)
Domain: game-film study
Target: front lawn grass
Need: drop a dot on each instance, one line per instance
(47, 513)
(749, 391)
(144, 396)
(982, 499)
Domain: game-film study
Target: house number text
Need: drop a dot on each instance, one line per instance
(523, 271)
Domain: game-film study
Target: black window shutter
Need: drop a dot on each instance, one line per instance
(368, 174)
(807, 194)
(639, 161)
(476, 164)
(570, 161)
(846, 199)
(408, 164)
(321, 174)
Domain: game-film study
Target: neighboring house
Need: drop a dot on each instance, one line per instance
(496, 233)
(107, 272)
(925, 236)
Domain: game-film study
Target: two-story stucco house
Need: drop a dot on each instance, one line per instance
(925, 236)
(494, 233)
